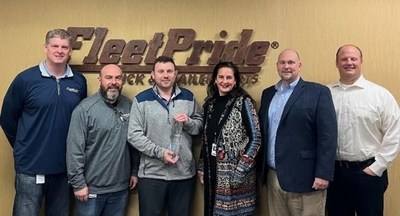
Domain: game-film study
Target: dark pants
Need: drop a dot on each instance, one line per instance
(29, 195)
(352, 191)
(155, 194)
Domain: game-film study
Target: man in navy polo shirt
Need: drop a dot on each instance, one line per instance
(35, 118)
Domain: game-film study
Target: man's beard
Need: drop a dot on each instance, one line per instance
(111, 96)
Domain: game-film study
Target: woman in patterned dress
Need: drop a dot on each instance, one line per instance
(231, 141)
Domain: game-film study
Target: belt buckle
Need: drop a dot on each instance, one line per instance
(344, 164)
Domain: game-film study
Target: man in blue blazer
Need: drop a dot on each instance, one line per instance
(299, 131)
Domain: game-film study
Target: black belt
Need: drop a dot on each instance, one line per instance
(358, 164)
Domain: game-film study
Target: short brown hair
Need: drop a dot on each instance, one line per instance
(58, 33)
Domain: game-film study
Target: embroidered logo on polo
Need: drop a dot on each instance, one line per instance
(71, 89)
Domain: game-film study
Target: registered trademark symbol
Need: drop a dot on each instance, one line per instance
(223, 34)
(275, 45)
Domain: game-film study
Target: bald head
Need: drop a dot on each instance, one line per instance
(110, 67)
(290, 52)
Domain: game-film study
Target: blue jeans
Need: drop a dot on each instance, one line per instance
(29, 195)
(108, 204)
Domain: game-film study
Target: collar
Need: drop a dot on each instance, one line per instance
(359, 83)
(47, 73)
(175, 91)
(280, 86)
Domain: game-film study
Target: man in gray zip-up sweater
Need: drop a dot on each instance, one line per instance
(166, 175)
(98, 155)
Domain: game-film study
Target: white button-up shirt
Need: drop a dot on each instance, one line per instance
(368, 121)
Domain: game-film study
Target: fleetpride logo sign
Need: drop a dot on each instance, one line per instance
(137, 56)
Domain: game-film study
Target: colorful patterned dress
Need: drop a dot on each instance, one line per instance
(231, 141)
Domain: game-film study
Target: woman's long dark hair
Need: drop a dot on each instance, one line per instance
(212, 89)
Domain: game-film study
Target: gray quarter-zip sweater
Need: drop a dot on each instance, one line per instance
(97, 149)
(150, 128)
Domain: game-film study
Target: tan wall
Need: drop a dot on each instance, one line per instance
(316, 28)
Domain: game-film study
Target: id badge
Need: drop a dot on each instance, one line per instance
(40, 179)
(92, 196)
(214, 149)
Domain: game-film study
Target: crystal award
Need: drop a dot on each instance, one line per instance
(176, 134)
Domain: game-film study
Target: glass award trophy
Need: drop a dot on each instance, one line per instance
(176, 134)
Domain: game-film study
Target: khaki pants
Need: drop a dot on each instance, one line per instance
(282, 203)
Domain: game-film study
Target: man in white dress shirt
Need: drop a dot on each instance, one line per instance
(368, 139)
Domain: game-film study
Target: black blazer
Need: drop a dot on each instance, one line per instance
(306, 138)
